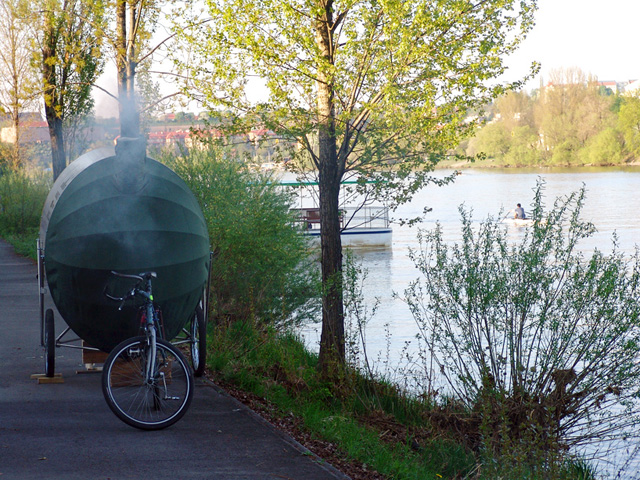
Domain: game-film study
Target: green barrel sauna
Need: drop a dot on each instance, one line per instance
(119, 210)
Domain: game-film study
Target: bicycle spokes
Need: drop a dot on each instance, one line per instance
(147, 401)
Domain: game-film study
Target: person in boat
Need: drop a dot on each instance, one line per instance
(519, 213)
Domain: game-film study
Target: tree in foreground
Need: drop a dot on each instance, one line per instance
(539, 341)
(377, 90)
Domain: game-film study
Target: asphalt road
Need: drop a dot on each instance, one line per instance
(66, 430)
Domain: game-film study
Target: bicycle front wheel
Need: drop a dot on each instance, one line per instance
(147, 403)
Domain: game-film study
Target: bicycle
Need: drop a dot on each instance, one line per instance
(146, 380)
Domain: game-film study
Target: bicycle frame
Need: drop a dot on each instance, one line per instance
(151, 317)
(150, 330)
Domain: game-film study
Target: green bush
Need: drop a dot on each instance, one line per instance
(629, 124)
(539, 342)
(563, 154)
(261, 267)
(493, 140)
(605, 148)
(22, 197)
(523, 150)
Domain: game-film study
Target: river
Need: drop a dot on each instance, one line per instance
(612, 198)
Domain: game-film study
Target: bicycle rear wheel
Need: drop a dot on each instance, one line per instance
(151, 405)
(198, 343)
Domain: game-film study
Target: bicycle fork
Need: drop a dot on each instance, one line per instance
(151, 364)
(158, 382)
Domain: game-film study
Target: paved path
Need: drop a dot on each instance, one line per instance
(66, 431)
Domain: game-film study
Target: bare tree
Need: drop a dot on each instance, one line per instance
(136, 49)
(18, 77)
(571, 110)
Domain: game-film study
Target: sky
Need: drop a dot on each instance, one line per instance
(598, 36)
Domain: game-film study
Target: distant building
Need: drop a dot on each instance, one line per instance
(157, 139)
(610, 84)
(177, 138)
(32, 128)
(632, 88)
(30, 132)
(199, 138)
(171, 135)
(260, 134)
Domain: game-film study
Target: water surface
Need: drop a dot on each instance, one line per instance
(612, 200)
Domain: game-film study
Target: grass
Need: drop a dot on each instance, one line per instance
(368, 421)
(23, 244)
(22, 196)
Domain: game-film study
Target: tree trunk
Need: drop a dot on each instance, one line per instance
(16, 161)
(129, 116)
(58, 153)
(332, 348)
(16, 154)
(51, 101)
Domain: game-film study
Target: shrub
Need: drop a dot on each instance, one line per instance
(493, 140)
(539, 342)
(563, 153)
(629, 124)
(604, 148)
(261, 266)
(22, 197)
(523, 149)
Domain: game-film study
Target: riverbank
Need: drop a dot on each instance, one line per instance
(492, 164)
(365, 427)
(367, 420)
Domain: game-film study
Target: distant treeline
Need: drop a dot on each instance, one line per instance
(572, 120)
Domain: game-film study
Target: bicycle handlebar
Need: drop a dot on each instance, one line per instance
(141, 276)
(135, 290)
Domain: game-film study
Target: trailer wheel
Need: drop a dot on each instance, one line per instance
(49, 344)
(198, 342)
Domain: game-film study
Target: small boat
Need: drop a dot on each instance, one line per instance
(510, 219)
(367, 226)
(517, 222)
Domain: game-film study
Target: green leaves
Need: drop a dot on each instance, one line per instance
(572, 121)
(371, 88)
(402, 74)
(521, 312)
(261, 270)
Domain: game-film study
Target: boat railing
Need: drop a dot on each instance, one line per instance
(367, 217)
